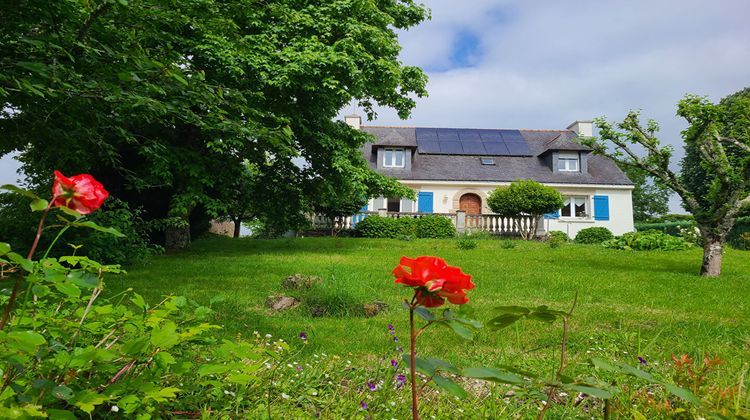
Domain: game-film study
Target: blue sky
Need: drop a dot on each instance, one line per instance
(543, 64)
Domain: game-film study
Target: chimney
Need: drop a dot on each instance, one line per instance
(354, 121)
(584, 128)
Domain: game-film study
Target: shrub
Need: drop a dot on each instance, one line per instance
(466, 242)
(525, 198)
(479, 234)
(737, 236)
(405, 227)
(508, 244)
(670, 228)
(377, 227)
(433, 226)
(594, 235)
(650, 240)
(559, 236)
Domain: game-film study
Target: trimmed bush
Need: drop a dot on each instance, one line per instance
(434, 227)
(650, 240)
(670, 228)
(377, 227)
(406, 227)
(594, 235)
(558, 235)
(466, 242)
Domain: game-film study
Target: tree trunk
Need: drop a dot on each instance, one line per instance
(237, 227)
(177, 237)
(713, 250)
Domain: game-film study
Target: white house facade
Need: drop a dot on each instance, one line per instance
(453, 170)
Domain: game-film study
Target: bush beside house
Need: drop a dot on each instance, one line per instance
(594, 235)
(424, 227)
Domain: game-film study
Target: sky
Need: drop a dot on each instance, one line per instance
(544, 64)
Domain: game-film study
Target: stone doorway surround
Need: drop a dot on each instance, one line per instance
(482, 196)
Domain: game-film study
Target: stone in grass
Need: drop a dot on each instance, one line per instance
(374, 308)
(280, 303)
(300, 281)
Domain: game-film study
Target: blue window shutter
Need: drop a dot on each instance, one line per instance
(425, 202)
(554, 215)
(601, 207)
(359, 216)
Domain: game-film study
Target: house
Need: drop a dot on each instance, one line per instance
(453, 170)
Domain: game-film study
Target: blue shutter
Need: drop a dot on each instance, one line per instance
(554, 215)
(359, 216)
(425, 202)
(601, 207)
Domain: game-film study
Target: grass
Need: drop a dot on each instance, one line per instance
(649, 304)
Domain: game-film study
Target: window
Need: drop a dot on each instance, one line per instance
(575, 207)
(568, 162)
(488, 161)
(393, 158)
(394, 204)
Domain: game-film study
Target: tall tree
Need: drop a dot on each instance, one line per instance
(720, 136)
(650, 197)
(165, 100)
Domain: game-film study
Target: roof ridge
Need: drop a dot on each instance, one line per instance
(465, 128)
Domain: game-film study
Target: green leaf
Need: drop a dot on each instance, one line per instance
(70, 212)
(213, 369)
(24, 263)
(503, 321)
(38, 204)
(40, 290)
(444, 366)
(55, 414)
(26, 341)
(17, 190)
(422, 366)
(165, 336)
(602, 364)
(138, 301)
(449, 386)
(458, 328)
(68, 289)
(520, 310)
(590, 390)
(493, 375)
(424, 313)
(88, 400)
(682, 393)
(545, 316)
(4, 248)
(62, 392)
(91, 225)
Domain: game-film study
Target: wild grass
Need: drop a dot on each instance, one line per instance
(631, 304)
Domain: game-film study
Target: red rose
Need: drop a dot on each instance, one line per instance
(434, 280)
(81, 193)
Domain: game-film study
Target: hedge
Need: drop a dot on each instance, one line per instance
(670, 228)
(430, 226)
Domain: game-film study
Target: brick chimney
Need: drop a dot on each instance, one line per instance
(584, 128)
(354, 121)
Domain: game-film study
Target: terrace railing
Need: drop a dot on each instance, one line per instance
(492, 223)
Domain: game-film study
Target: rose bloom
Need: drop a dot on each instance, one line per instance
(81, 193)
(434, 280)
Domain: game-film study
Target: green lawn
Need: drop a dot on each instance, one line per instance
(650, 304)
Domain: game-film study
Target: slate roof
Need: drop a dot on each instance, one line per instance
(432, 167)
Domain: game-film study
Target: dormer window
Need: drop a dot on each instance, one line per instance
(393, 157)
(568, 162)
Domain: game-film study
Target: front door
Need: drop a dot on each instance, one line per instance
(470, 203)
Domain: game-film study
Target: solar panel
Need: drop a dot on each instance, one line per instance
(518, 149)
(447, 134)
(426, 133)
(451, 147)
(428, 146)
(474, 148)
(475, 142)
(497, 149)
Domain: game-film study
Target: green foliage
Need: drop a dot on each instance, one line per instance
(738, 237)
(649, 240)
(466, 242)
(650, 198)
(434, 227)
(508, 244)
(525, 198)
(593, 235)
(166, 103)
(670, 228)
(556, 238)
(430, 226)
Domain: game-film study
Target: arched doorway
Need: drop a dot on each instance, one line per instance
(470, 203)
